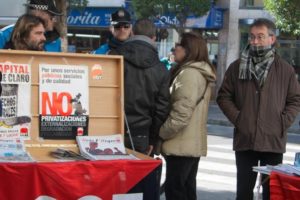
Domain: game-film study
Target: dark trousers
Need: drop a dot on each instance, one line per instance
(181, 178)
(246, 178)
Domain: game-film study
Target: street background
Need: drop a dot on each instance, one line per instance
(216, 178)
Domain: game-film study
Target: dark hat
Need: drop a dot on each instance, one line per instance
(120, 16)
(46, 5)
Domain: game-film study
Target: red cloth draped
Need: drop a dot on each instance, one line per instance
(284, 187)
(72, 180)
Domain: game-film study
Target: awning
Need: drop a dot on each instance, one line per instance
(212, 20)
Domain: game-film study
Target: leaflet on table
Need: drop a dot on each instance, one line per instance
(262, 169)
(13, 150)
(107, 147)
(15, 121)
(63, 101)
(283, 168)
(62, 154)
(287, 169)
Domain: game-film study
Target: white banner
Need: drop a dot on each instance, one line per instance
(16, 100)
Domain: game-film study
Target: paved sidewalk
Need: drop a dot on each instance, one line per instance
(216, 116)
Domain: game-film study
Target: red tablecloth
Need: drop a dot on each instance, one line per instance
(284, 187)
(72, 180)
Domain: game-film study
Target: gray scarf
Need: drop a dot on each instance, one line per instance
(256, 61)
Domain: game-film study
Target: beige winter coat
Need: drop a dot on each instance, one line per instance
(184, 132)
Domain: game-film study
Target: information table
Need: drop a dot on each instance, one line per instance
(99, 180)
(283, 186)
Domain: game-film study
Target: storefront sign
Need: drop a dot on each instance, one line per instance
(212, 20)
(90, 17)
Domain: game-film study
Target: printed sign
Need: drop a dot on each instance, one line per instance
(63, 97)
(15, 121)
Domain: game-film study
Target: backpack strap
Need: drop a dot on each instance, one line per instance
(202, 97)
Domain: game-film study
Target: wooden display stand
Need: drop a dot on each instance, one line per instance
(105, 95)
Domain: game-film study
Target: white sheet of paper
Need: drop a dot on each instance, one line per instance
(133, 196)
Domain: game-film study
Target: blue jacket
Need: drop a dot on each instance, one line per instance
(110, 46)
(103, 49)
(5, 34)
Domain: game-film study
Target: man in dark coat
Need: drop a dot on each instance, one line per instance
(260, 95)
(146, 83)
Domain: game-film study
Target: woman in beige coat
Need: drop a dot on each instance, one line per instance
(184, 133)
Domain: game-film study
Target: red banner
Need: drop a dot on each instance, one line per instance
(72, 180)
(283, 186)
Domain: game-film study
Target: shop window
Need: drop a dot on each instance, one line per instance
(289, 50)
(251, 4)
(244, 29)
(84, 40)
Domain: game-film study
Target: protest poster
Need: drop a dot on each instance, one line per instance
(63, 101)
(15, 120)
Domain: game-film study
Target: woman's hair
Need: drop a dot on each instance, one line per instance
(195, 48)
(23, 28)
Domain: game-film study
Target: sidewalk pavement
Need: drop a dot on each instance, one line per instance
(216, 116)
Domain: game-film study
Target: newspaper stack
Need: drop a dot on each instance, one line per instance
(106, 147)
(13, 150)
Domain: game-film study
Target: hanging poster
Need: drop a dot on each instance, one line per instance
(15, 120)
(63, 101)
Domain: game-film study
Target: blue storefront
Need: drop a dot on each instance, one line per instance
(212, 20)
(86, 26)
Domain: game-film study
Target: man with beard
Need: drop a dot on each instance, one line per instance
(46, 10)
(260, 95)
(28, 34)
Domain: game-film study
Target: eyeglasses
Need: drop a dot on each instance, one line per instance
(259, 37)
(119, 26)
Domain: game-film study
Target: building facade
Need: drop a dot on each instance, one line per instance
(225, 27)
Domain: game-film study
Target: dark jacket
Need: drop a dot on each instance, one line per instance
(261, 116)
(146, 88)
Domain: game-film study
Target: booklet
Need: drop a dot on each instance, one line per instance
(66, 155)
(104, 147)
(13, 150)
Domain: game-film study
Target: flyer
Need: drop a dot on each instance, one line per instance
(63, 101)
(103, 147)
(15, 121)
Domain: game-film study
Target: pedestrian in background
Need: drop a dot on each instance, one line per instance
(121, 30)
(260, 95)
(46, 10)
(184, 133)
(169, 61)
(146, 87)
(28, 34)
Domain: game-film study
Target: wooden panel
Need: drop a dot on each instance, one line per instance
(105, 91)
